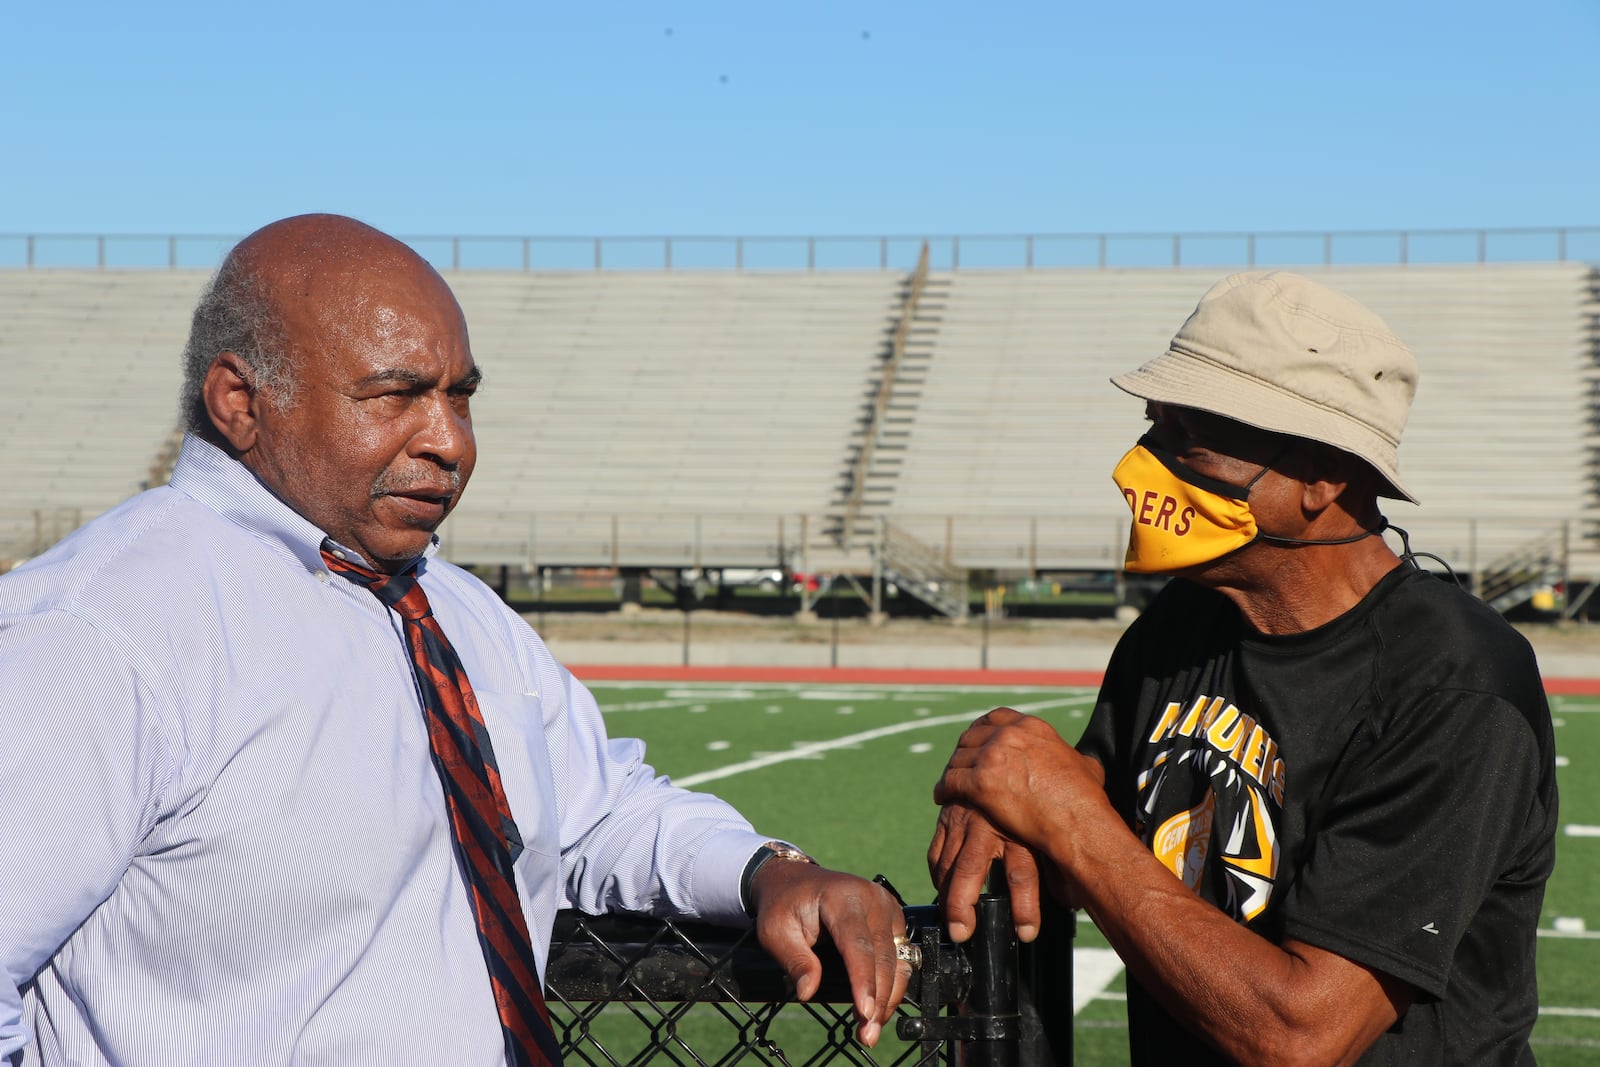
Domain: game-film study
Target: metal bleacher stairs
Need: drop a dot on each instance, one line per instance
(913, 426)
(864, 507)
(1516, 577)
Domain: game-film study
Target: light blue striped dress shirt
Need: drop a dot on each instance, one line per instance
(226, 841)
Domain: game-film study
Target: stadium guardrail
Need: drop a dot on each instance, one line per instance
(949, 252)
(799, 542)
(1003, 542)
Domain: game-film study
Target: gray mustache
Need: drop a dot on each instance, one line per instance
(384, 485)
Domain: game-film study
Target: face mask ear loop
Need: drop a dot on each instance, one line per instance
(1352, 539)
(1408, 556)
(1244, 493)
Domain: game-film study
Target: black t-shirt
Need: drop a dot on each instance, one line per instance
(1382, 787)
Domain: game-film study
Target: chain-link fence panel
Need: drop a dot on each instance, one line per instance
(629, 990)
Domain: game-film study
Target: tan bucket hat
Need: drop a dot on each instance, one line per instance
(1277, 351)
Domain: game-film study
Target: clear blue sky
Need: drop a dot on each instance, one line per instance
(799, 118)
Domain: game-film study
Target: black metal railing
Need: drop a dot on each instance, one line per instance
(900, 252)
(627, 990)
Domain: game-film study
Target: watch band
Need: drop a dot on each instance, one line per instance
(769, 851)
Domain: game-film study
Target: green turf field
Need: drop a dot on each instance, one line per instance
(849, 773)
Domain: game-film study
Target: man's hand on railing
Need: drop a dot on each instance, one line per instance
(795, 902)
(963, 852)
(1010, 783)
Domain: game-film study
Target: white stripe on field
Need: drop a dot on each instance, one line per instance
(1575, 830)
(1576, 935)
(813, 749)
(1092, 970)
(663, 705)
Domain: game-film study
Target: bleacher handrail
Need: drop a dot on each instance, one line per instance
(882, 252)
(880, 401)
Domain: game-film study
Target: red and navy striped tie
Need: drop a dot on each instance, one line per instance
(486, 837)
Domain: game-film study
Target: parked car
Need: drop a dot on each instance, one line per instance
(757, 577)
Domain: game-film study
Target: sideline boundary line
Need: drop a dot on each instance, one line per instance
(616, 672)
(814, 748)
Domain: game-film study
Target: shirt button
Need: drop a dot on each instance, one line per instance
(322, 576)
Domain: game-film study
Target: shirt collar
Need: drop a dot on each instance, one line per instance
(209, 476)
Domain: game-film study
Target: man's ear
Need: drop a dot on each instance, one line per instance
(1319, 495)
(1330, 473)
(229, 397)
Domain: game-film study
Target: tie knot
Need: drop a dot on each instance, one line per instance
(393, 590)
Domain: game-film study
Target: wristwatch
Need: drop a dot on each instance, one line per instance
(769, 851)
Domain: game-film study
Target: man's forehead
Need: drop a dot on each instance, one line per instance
(403, 308)
(1194, 417)
(1215, 428)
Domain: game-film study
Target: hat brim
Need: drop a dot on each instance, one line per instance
(1184, 380)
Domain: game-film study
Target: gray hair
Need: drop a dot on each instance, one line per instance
(232, 316)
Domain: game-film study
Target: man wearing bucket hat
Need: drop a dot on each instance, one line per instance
(1314, 809)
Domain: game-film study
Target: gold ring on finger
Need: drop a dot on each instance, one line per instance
(908, 951)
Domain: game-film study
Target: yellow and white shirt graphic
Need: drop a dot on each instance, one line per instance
(1210, 802)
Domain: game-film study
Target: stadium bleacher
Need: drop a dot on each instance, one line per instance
(1017, 417)
(711, 418)
(91, 398)
(654, 397)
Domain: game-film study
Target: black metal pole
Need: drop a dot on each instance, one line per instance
(1044, 968)
(985, 659)
(686, 595)
(992, 1002)
(833, 652)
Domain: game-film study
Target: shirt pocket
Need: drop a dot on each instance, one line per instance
(516, 729)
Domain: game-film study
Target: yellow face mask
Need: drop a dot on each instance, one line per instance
(1180, 519)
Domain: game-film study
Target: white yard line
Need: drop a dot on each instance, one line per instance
(675, 702)
(813, 749)
(1092, 970)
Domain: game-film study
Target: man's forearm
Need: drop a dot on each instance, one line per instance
(1256, 1001)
